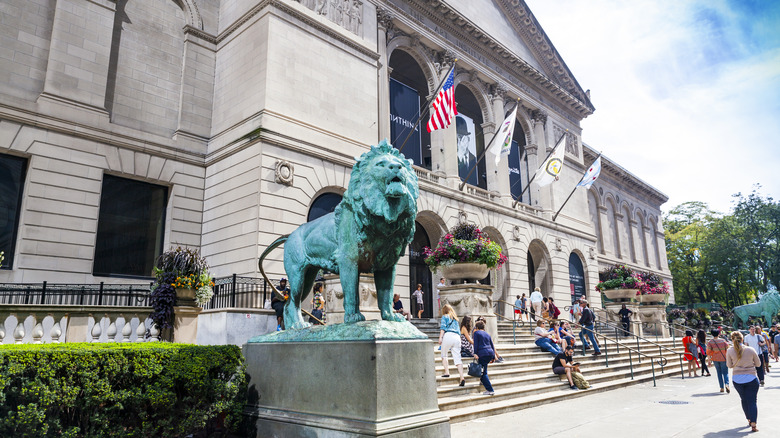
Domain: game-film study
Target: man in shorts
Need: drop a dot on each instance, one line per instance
(518, 308)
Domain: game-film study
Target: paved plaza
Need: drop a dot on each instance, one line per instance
(639, 411)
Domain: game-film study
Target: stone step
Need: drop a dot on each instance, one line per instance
(490, 405)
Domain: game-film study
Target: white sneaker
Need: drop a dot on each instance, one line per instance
(489, 393)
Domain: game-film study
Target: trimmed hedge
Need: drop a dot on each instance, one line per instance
(118, 389)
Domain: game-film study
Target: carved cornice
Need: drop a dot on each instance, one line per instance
(205, 36)
(304, 18)
(453, 22)
(524, 21)
(384, 18)
(539, 116)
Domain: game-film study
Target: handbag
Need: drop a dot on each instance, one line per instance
(475, 369)
(579, 380)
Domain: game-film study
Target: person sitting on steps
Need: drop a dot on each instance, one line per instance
(562, 364)
(544, 338)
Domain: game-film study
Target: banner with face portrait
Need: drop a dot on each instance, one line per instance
(467, 148)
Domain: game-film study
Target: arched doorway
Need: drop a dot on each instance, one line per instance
(419, 272)
(408, 93)
(322, 205)
(576, 277)
(539, 268)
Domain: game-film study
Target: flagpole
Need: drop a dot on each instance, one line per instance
(427, 105)
(572, 192)
(537, 171)
(485, 150)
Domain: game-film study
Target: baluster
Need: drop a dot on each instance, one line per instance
(2, 331)
(96, 330)
(19, 331)
(56, 330)
(111, 331)
(37, 331)
(127, 330)
(140, 331)
(155, 332)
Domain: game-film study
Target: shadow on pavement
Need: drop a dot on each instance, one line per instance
(737, 431)
(708, 394)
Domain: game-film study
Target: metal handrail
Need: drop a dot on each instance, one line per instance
(312, 316)
(514, 322)
(628, 333)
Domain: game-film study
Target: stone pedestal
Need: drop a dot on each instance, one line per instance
(334, 298)
(473, 300)
(185, 324)
(368, 379)
(614, 318)
(652, 316)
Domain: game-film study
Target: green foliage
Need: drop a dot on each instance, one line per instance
(725, 258)
(478, 248)
(183, 262)
(118, 390)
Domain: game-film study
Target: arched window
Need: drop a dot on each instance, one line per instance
(324, 204)
(408, 93)
(518, 165)
(595, 217)
(471, 143)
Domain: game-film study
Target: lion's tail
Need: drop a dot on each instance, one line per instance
(265, 253)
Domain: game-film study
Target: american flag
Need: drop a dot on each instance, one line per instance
(444, 105)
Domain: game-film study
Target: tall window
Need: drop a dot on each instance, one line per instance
(324, 204)
(12, 171)
(131, 224)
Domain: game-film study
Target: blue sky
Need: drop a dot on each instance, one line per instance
(687, 92)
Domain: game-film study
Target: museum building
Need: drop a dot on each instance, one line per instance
(130, 126)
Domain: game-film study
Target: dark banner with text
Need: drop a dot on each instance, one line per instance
(404, 111)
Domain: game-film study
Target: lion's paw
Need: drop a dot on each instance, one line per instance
(387, 316)
(354, 317)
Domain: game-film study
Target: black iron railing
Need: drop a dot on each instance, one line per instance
(242, 292)
(75, 294)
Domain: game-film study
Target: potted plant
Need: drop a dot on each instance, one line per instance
(465, 253)
(617, 282)
(652, 289)
(183, 279)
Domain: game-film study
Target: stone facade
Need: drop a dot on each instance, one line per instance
(249, 110)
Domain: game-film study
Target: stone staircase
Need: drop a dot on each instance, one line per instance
(525, 378)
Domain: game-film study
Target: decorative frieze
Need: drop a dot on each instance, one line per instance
(346, 13)
(571, 140)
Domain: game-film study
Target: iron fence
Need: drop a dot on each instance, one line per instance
(75, 294)
(235, 291)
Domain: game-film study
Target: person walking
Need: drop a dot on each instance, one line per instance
(449, 340)
(536, 302)
(524, 304)
(744, 361)
(418, 294)
(701, 343)
(763, 353)
(755, 341)
(466, 341)
(691, 353)
(554, 311)
(484, 352)
(625, 318)
(518, 313)
(587, 321)
(574, 311)
(716, 354)
(318, 305)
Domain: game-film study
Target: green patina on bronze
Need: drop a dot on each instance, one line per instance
(367, 233)
(361, 331)
(767, 306)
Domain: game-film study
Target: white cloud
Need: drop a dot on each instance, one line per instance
(685, 99)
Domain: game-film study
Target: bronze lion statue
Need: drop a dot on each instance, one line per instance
(367, 233)
(767, 306)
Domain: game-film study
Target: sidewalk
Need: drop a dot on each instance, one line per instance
(637, 412)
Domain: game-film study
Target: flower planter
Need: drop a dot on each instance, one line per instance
(185, 296)
(465, 271)
(620, 294)
(652, 298)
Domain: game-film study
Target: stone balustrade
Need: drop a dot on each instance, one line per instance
(36, 324)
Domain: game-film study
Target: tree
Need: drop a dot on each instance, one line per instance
(686, 228)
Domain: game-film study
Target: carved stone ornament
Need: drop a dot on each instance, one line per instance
(498, 91)
(346, 13)
(384, 18)
(516, 232)
(592, 253)
(539, 116)
(462, 217)
(284, 172)
(558, 244)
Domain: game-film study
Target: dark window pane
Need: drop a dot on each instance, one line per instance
(130, 227)
(324, 204)
(12, 171)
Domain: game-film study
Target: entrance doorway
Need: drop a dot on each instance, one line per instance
(419, 272)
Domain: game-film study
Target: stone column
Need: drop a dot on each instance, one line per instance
(77, 72)
(197, 88)
(384, 22)
(538, 154)
(498, 176)
(444, 152)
